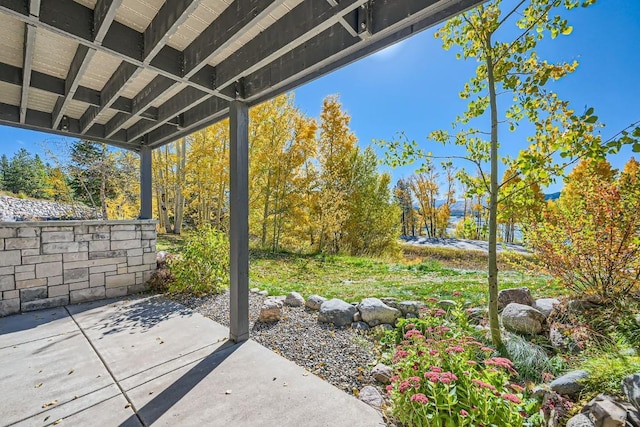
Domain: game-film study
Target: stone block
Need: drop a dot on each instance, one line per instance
(147, 275)
(11, 294)
(10, 258)
(25, 276)
(149, 258)
(101, 236)
(25, 269)
(60, 247)
(78, 285)
(83, 237)
(134, 260)
(28, 232)
(123, 227)
(30, 252)
(9, 306)
(136, 289)
(57, 236)
(116, 292)
(32, 294)
(54, 281)
(99, 245)
(102, 268)
(149, 235)
(137, 268)
(76, 274)
(88, 294)
(8, 232)
(22, 243)
(123, 270)
(121, 280)
(125, 235)
(7, 282)
(37, 259)
(148, 250)
(148, 227)
(102, 228)
(7, 270)
(48, 269)
(108, 254)
(96, 280)
(80, 229)
(59, 290)
(52, 228)
(77, 256)
(135, 252)
(45, 303)
(95, 262)
(30, 283)
(125, 244)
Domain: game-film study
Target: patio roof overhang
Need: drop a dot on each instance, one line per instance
(143, 73)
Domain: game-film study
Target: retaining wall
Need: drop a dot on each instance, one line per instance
(52, 263)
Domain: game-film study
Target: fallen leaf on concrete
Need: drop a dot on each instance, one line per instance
(70, 372)
(52, 403)
(227, 392)
(56, 422)
(46, 418)
(284, 384)
(128, 405)
(38, 385)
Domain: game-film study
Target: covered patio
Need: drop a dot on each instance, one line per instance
(138, 74)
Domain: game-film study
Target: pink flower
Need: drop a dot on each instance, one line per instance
(483, 384)
(516, 387)
(435, 369)
(439, 312)
(415, 381)
(432, 300)
(472, 362)
(501, 362)
(413, 333)
(457, 294)
(488, 349)
(400, 354)
(455, 349)
(394, 378)
(404, 385)
(433, 352)
(389, 388)
(447, 377)
(420, 398)
(464, 413)
(511, 397)
(434, 377)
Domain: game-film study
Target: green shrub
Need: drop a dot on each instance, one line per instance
(445, 377)
(203, 266)
(529, 359)
(606, 373)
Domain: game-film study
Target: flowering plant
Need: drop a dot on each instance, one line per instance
(443, 377)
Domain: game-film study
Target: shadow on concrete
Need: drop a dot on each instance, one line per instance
(161, 403)
(139, 314)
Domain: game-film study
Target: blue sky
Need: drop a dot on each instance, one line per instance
(413, 86)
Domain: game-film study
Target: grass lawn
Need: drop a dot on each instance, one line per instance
(353, 278)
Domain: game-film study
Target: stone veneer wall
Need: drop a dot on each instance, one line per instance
(53, 263)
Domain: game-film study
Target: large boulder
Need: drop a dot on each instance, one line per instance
(336, 311)
(606, 412)
(518, 295)
(314, 302)
(546, 305)
(294, 299)
(374, 312)
(580, 420)
(408, 307)
(561, 338)
(631, 388)
(371, 396)
(271, 310)
(522, 319)
(569, 384)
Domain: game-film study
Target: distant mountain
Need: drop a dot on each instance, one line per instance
(552, 196)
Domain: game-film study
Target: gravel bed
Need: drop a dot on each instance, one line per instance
(340, 356)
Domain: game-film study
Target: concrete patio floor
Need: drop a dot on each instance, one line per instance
(149, 361)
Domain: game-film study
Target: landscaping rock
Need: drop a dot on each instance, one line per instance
(360, 326)
(336, 311)
(161, 257)
(271, 311)
(569, 384)
(294, 299)
(578, 306)
(631, 388)
(546, 305)
(517, 295)
(314, 302)
(606, 412)
(374, 312)
(254, 290)
(371, 396)
(263, 293)
(522, 318)
(382, 373)
(580, 420)
(390, 301)
(408, 307)
(562, 341)
(447, 304)
(357, 317)
(476, 314)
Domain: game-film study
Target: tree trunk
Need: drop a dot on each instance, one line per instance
(494, 323)
(181, 163)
